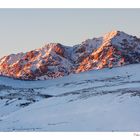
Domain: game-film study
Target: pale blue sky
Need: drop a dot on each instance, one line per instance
(27, 29)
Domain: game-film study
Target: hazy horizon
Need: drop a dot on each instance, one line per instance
(26, 29)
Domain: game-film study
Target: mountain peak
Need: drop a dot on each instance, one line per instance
(116, 33)
(112, 34)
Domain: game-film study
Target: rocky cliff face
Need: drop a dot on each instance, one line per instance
(116, 49)
(55, 60)
(51, 61)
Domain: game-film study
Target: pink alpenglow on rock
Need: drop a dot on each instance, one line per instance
(54, 60)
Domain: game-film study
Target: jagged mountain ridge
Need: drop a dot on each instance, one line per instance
(115, 48)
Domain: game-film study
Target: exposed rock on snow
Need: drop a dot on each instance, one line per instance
(115, 48)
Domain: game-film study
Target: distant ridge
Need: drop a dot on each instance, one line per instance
(54, 60)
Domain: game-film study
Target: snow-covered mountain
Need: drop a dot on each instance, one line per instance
(97, 100)
(50, 61)
(115, 48)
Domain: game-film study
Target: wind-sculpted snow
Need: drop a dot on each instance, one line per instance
(98, 100)
(54, 60)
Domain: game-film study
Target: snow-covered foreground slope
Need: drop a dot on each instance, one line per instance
(99, 100)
